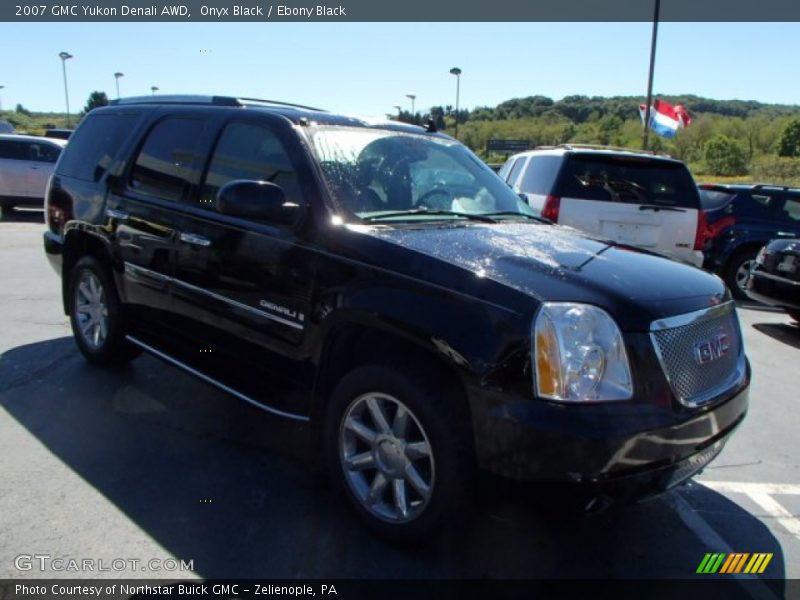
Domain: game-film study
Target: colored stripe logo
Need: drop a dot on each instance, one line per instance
(736, 562)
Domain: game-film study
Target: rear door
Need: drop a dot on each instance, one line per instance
(642, 201)
(43, 157)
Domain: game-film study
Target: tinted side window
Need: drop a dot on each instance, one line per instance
(168, 162)
(44, 152)
(791, 210)
(540, 175)
(633, 180)
(506, 167)
(249, 151)
(13, 150)
(757, 205)
(94, 144)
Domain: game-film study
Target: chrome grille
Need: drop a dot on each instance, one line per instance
(690, 348)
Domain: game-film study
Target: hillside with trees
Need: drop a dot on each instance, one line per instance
(728, 139)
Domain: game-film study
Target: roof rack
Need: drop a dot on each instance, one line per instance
(785, 188)
(213, 100)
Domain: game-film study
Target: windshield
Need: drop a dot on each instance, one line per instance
(379, 174)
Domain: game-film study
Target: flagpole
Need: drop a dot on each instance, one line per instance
(649, 102)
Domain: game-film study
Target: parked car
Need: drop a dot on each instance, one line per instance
(628, 196)
(380, 284)
(61, 134)
(26, 163)
(775, 276)
(740, 220)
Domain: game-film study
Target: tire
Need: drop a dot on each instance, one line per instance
(96, 317)
(734, 273)
(403, 494)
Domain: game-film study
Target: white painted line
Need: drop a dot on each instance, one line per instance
(761, 494)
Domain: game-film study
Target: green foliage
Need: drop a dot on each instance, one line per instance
(96, 100)
(725, 156)
(776, 169)
(790, 139)
(22, 110)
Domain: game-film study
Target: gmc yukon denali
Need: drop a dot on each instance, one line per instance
(378, 282)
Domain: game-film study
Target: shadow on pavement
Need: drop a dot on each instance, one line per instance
(783, 332)
(215, 481)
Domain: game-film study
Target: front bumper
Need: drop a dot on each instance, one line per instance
(774, 290)
(623, 449)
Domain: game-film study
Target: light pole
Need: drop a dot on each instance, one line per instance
(399, 110)
(117, 75)
(65, 56)
(457, 72)
(154, 89)
(412, 97)
(657, 9)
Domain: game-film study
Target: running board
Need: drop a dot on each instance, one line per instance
(218, 384)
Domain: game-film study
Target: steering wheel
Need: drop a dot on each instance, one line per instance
(437, 191)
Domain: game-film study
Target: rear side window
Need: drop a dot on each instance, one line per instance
(540, 175)
(505, 168)
(168, 162)
(757, 205)
(791, 210)
(14, 150)
(632, 180)
(715, 199)
(94, 145)
(516, 168)
(249, 151)
(44, 152)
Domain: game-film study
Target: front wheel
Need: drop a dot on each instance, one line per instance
(399, 451)
(95, 315)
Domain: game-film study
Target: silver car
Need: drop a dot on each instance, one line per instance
(26, 163)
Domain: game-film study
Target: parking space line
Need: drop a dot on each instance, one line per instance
(712, 540)
(761, 494)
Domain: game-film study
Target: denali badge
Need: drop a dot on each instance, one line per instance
(712, 349)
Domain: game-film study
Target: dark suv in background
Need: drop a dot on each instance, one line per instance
(740, 220)
(379, 283)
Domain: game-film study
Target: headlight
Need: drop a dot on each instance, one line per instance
(579, 355)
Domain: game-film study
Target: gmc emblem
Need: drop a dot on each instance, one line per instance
(708, 350)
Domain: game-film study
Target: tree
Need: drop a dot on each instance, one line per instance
(96, 100)
(22, 110)
(790, 140)
(724, 156)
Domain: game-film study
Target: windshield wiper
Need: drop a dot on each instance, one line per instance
(512, 213)
(425, 211)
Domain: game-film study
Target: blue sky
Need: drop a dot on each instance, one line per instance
(367, 68)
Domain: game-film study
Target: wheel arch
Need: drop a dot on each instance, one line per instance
(77, 244)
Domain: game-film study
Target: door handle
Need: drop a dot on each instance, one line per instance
(193, 238)
(115, 213)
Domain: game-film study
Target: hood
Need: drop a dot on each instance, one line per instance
(562, 264)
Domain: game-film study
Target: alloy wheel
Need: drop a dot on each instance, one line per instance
(386, 458)
(91, 310)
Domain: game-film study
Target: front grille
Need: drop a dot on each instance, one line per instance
(701, 353)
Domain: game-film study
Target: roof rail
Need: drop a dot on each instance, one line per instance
(605, 147)
(785, 188)
(199, 99)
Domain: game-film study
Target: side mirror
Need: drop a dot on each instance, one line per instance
(258, 200)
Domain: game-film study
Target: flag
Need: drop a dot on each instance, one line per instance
(666, 119)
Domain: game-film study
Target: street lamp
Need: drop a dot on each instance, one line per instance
(457, 72)
(412, 97)
(117, 75)
(65, 56)
(399, 110)
(154, 89)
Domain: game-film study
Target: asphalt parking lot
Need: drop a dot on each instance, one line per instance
(149, 463)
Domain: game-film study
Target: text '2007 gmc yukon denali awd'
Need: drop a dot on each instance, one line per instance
(404, 300)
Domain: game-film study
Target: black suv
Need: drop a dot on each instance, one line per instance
(740, 220)
(380, 283)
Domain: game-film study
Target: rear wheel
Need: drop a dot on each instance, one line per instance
(95, 315)
(737, 273)
(398, 450)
